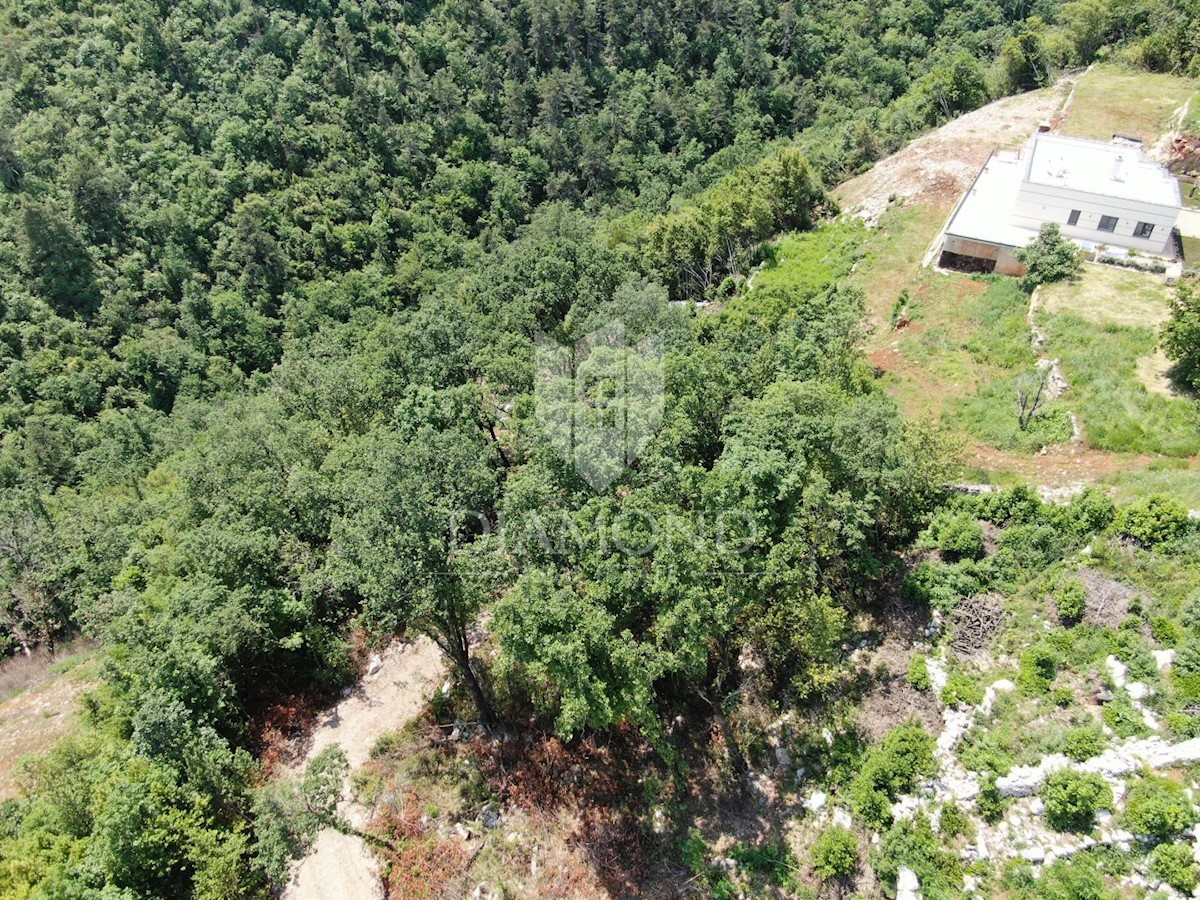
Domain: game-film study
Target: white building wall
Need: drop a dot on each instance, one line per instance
(1038, 203)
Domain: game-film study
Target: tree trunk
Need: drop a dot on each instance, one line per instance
(462, 659)
(736, 759)
(740, 768)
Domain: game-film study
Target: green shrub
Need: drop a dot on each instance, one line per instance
(693, 852)
(1136, 653)
(773, 860)
(1191, 614)
(1071, 879)
(1157, 808)
(1036, 670)
(1090, 512)
(1152, 520)
(892, 767)
(1084, 742)
(912, 843)
(1024, 550)
(1187, 657)
(1173, 864)
(1164, 630)
(955, 823)
(991, 804)
(956, 534)
(1072, 799)
(1071, 600)
(961, 691)
(1121, 716)
(918, 673)
(1062, 696)
(1049, 257)
(942, 586)
(1019, 505)
(835, 854)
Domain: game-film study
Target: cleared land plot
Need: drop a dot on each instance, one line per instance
(1111, 100)
(1104, 329)
(936, 168)
(44, 711)
(1110, 295)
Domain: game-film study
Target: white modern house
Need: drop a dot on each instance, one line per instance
(1098, 193)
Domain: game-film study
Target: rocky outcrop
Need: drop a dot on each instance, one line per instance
(1112, 764)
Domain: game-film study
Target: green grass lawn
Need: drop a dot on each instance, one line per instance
(1191, 251)
(1190, 193)
(1192, 123)
(1112, 100)
(1118, 412)
(1179, 478)
(1100, 327)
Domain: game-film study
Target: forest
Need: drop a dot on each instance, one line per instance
(272, 276)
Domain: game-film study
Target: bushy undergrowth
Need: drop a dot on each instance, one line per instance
(891, 768)
(1073, 798)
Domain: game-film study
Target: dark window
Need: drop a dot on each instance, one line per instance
(1108, 223)
(1144, 229)
(1073, 218)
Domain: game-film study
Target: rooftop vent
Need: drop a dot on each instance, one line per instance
(1118, 169)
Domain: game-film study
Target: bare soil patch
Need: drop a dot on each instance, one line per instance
(341, 867)
(935, 169)
(892, 701)
(37, 718)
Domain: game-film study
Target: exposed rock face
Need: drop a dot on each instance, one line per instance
(1112, 764)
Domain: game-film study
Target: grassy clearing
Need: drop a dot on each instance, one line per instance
(1112, 100)
(1191, 123)
(1110, 295)
(1179, 478)
(1191, 250)
(893, 260)
(807, 261)
(1190, 192)
(1104, 329)
(41, 707)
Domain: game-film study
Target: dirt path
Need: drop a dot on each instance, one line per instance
(340, 866)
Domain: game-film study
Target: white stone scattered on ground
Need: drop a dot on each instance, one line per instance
(936, 667)
(1114, 763)
(816, 801)
(1163, 658)
(341, 866)
(905, 807)
(908, 887)
(1116, 670)
(1139, 690)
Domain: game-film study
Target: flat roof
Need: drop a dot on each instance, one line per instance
(1109, 170)
(985, 213)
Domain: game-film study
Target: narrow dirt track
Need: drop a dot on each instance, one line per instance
(341, 867)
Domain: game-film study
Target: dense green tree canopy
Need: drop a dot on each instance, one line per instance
(272, 280)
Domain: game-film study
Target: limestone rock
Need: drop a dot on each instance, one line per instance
(908, 887)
